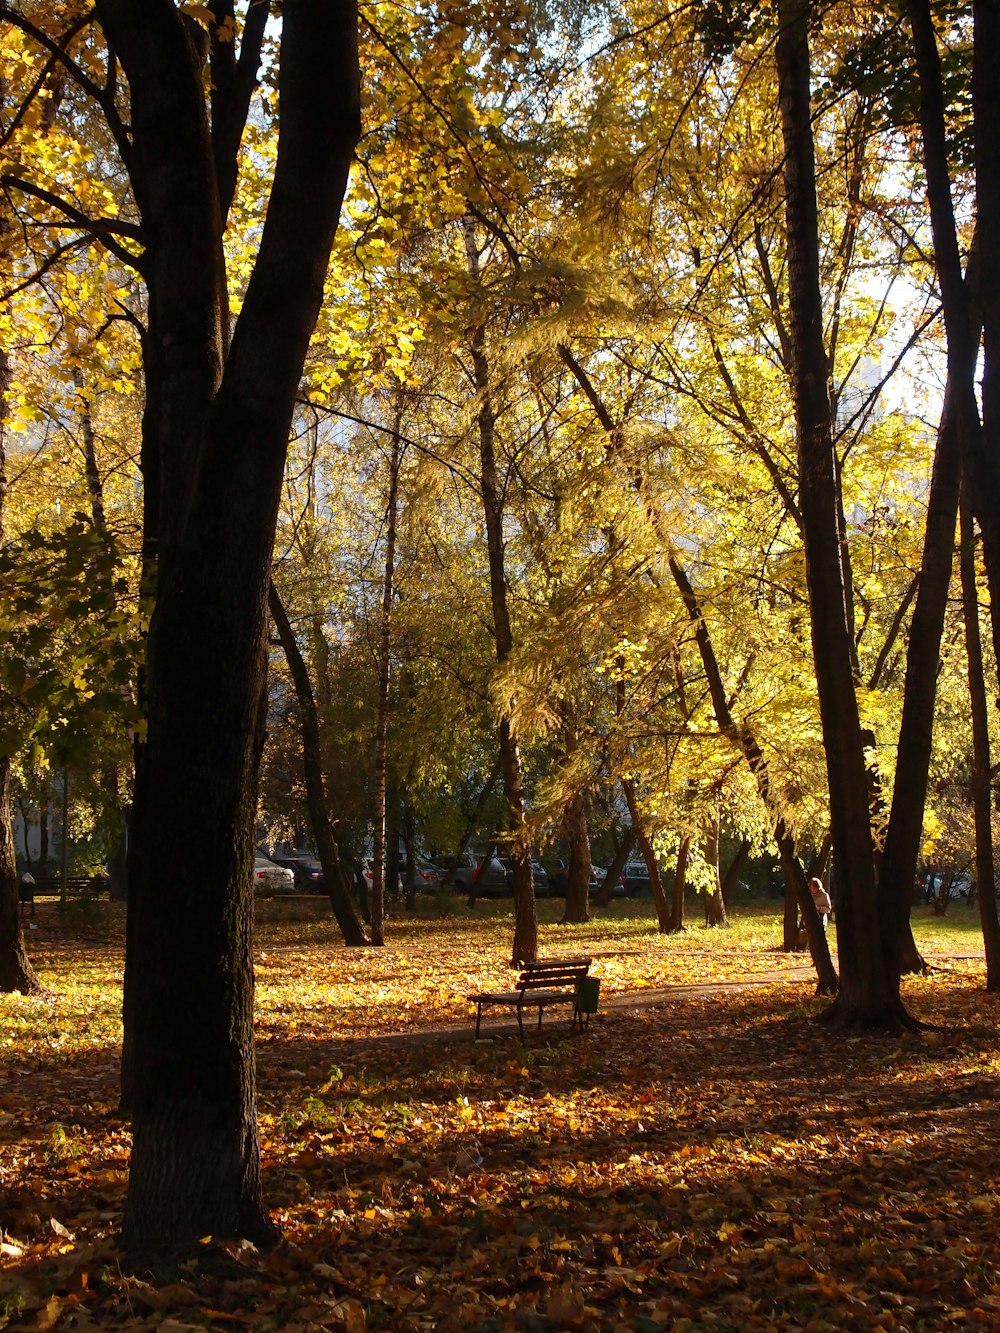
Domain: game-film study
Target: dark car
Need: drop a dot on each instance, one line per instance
(304, 866)
(539, 877)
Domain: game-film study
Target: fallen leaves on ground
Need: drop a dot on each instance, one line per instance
(716, 1161)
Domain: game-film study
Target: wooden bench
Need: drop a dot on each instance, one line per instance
(50, 886)
(548, 981)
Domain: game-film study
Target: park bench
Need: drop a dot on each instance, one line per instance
(50, 886)
(546, 982)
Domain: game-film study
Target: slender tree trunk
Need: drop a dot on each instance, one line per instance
(384, 665)
(984, 470)
(578, 876)
(797, 895)
(664, 915)
(473, 819)
(16, 973)
(715, 903)
(979, 781)
(335, 872)
(678, 886)
(729, 879)
(525, 945)
(606, 891)
(410, 840)
(869, 978)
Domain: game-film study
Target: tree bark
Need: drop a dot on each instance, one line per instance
(384, 665)
(525, 944)
(980, 442)
(677, 887)
(577, 909)
(868, 996)
(605, 893)
(216, 445)
(979, 780)
(335, 873)
(715, 903)
(16, 972)
(664, 914)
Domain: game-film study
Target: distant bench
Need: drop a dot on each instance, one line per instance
(546, 982)
(50, 886)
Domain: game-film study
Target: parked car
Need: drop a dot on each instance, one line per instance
(369, 873)
(636, 878)
(540, 878)
(491, 883)
(306, 870)
(426, 876)
(269, 877)
(598, 874)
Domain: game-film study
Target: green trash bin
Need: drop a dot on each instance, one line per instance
(588, 994)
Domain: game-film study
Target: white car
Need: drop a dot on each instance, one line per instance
(271, 878)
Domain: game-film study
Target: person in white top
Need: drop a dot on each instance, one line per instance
(822, 900)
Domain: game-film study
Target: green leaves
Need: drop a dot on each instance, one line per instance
(68, 650)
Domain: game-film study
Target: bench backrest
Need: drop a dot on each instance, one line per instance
(548, 972)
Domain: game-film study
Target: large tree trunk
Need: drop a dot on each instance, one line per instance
(979, 781)
(525, 945)
(336, 874)
(217, 440)
(869, 978)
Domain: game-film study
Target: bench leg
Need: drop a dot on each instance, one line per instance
(520, 1024)
(479, 1017)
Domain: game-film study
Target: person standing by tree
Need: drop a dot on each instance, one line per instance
(822, 900)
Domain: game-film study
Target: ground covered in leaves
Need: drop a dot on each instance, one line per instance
(702, 1157)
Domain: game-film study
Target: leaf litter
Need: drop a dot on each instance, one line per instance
(714, 1161)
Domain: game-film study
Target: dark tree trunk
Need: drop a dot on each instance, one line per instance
(729, 879)
(578, 876)
(215, 447)
(868, 996)
(796, 889)
(16, 973)
(606, 891)
(473, 818)
(980, 445)
(664, 914)
(790, 912)
(525, 945)
(715, 903)
(984, 468)
(335, 873)
(384, 669)
(979, 781)
(678, 885)
(410, 841)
